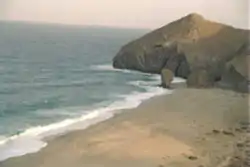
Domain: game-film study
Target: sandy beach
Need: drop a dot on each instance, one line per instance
(189, 128)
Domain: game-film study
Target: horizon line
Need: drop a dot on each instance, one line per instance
(73, 24)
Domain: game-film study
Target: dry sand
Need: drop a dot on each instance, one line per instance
(190, 128)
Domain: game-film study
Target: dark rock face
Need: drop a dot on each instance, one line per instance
(154, 61)
(236, 74)
(192, 48)
(200, 78)
(151, 62)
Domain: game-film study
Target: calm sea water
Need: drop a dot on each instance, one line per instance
(53, 77)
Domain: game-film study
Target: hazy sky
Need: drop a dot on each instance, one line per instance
(123, 13)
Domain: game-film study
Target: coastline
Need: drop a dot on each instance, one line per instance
(34, 138)
(187, 128)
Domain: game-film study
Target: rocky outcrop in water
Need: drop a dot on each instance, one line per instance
(167, 77)
(206, 53)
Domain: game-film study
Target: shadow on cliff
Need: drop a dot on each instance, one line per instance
(221, 59)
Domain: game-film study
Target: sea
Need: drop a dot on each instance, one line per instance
(58, 78)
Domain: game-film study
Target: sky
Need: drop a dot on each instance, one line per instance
(124, 13)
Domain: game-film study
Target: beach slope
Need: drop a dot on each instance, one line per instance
(189, 128)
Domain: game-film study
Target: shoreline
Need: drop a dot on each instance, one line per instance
(15, 146)
(146, 136)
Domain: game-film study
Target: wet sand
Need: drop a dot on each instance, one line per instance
(189, 128)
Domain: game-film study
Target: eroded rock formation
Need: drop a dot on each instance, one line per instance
(206, 53)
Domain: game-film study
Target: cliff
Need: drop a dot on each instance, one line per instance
(206, 53)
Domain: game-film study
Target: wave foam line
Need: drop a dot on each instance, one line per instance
(31, 140)
(110, 68)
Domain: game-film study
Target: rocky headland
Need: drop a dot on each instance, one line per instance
(206, 53)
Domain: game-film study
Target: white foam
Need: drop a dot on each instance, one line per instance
(31, 140)
(108, 67)
(156, 81)
(178, 80)
(2, 138)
